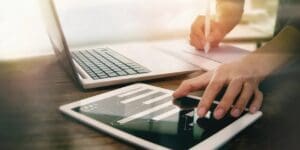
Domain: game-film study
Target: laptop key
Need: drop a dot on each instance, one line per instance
(122, 73)
(103, 76)
(130, 72)
(142, 71)
(112, 75)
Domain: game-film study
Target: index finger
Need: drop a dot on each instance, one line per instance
(210, 93)
(191, 85)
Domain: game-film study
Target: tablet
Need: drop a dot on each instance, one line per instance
(147, 116)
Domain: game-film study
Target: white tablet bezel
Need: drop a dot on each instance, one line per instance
(213, 142)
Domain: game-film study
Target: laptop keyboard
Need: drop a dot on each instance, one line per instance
(106, 63)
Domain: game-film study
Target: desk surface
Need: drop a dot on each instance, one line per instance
(31, 90)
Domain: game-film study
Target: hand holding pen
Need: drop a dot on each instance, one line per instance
(205, 32)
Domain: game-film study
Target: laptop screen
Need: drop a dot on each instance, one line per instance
(56, 37)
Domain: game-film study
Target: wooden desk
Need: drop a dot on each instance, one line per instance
(31, 90)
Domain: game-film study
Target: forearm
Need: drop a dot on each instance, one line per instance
(229, 13)
(283, 47)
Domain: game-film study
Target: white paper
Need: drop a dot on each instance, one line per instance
(181, 49)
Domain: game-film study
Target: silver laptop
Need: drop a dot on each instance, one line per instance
(109, 65)
(121, 63)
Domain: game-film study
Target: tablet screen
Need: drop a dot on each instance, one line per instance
(155, 118)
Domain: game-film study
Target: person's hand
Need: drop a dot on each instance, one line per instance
(241, 81)
(197, 37)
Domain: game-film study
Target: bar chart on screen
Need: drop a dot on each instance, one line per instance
(136, 104)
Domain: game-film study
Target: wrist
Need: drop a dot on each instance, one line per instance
(225, 28)
(229, 13)
(259, 64)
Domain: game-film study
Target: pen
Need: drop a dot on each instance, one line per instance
(207, 27)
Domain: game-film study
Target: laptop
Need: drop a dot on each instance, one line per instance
(105, 65)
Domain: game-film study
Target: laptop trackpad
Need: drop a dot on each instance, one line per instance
(154, 59)
(181, 49)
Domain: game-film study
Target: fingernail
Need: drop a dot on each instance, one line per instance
(219, 113)
(175, 95)
(201, 112)
(253, 109)
(236, 112)
(178, 94)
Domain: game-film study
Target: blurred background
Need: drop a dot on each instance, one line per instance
(85, 22)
